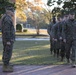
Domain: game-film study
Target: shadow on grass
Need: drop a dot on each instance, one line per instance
(32, 53)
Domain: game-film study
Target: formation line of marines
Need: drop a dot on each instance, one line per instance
(63, 37)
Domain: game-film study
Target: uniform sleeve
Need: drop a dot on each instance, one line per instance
(60, 29)
(53, 31)
(49, 28)
(12, 33)
(64, 30)
(7, 30)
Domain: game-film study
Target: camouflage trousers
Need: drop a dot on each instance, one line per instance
(71, 49)
(51, 45)
(59, 48)
(7, 52)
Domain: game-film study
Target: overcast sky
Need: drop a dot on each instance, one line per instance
(45, 1)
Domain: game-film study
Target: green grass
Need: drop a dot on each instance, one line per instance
(31, 53)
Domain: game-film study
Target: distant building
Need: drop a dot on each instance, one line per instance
(27, 25)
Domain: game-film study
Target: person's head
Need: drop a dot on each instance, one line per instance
(54, 19)
(66, 17)
(9, 10)
(71, 15)
(59, 18)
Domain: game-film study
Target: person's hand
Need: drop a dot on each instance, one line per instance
(8, 43)
(64, 40)
(60, 38)
(53, 39)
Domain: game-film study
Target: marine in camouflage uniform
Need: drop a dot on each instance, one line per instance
(57, 35)
(49, 32)
(8, 38)
(63, 49)
(69, 37)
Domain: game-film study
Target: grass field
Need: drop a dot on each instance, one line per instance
(32, 53)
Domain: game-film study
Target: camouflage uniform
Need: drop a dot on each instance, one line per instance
(63, 50)
(49, 32)
(55, 36)
(59, 45)
(69, 33)
(8, 35)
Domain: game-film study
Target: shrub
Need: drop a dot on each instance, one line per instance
(25, 30)
(19, 27)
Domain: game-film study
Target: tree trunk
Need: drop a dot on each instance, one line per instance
(37, 30)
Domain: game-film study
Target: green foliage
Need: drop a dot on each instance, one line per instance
(68, 5)
(3, 4)
(51, 2)
(56, 10)
(25, 30)
(19, 27)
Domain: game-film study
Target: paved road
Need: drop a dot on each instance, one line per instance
(41, 70)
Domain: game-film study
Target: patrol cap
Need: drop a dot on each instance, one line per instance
(10, 8)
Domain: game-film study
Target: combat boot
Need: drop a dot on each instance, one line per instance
(7, 68)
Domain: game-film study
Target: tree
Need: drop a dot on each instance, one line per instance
(3, 4)
(21, 5)
(56, 11)
(35, 10)
(47, 14)
(52, 2)
(68, 5)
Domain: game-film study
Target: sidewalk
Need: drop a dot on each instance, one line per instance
(41, 70)
(36, 39)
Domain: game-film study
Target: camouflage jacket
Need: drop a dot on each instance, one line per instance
(57, 30)
(69, 29)
(7, 28)
(49, 28)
